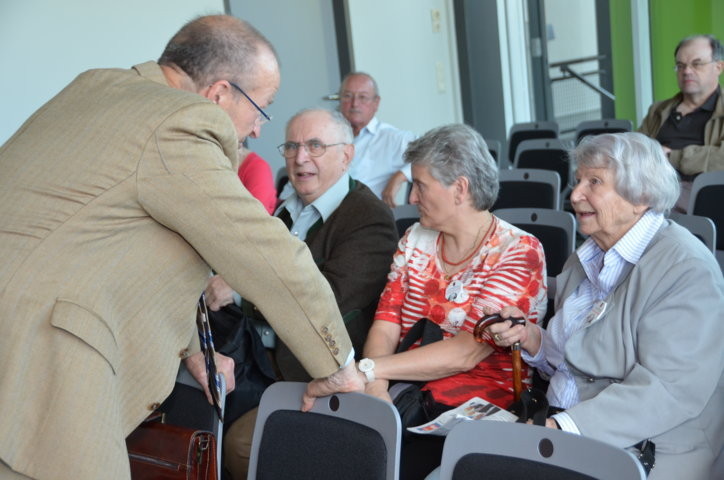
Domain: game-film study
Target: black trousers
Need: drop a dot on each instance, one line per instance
(421, 454)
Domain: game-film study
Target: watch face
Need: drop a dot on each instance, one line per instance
(365, 365)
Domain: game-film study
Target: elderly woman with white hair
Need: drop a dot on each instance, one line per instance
(634, 351)
(457, 260)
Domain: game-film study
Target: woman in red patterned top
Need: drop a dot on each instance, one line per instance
(458, 259)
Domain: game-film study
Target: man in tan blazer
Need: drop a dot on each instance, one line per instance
(116, 198)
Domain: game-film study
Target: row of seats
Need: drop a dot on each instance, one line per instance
(522, 132)
(556, 229)
(356, 436)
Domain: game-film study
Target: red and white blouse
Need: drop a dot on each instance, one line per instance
(508, 269)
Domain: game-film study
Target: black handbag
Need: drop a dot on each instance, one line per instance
(414, 405)
(236, 337)
(533, 405)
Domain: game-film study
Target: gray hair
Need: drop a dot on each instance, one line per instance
(454, 151)
(375, 89)
(717, 52)
(337, 119)
(643, 174)
(217, 47)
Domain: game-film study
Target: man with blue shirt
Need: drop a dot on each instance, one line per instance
(350, 233)
(379, 147)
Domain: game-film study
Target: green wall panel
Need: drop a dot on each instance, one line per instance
(672, 20)
(622, 58)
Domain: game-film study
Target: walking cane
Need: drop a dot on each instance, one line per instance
(479, 333)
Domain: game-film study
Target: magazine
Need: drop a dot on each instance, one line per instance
(474, 409)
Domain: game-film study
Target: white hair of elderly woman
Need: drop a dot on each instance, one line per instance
(643, 174)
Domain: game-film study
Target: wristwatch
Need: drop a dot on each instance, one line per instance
(367, 366)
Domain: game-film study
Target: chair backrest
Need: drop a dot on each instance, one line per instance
(605, 125)
(349, 435)
(528, 188)
(489, 449)
(707, 198)
(405, 215)
(282, 178)
(544, 154)
(494, 148)
(703, 228)
(555, 229)
(527, 131)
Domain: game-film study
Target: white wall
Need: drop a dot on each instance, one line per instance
(302, 33)
(408, 46)
(44, 44)
(573, 39)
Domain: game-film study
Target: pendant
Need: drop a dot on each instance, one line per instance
(455, 292)
(596, 312)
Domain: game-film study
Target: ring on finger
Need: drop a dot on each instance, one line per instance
(497, 337)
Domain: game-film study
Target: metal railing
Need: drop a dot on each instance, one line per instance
(567, 72)
(575, 92)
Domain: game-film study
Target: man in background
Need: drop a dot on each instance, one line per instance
(117, 198)
(379, 147)
(690, 126)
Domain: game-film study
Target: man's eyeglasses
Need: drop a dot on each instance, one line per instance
(314, 148)
(695, 65)
(263, 117)
(361, 97)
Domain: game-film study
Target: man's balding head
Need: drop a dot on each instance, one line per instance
(229, 62)
(218, 46)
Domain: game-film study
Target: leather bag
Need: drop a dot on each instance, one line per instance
(414, 405)
(161, 451)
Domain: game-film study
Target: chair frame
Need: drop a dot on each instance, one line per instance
(556, 218)
(405, 212)
(534, 175)
(364, 409)
(698, 225)
(542, 126)
(496, 146)
(616, 125)
(554, 144)
(574, 452)
(705, 180)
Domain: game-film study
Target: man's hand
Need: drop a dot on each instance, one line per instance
(218, 293)
(380, 389)
(196, 365)
(344, 380)
(393, 185)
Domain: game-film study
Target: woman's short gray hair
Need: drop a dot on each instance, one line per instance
(454, 151)
(643, 174)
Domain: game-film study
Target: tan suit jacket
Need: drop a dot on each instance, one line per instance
(115, 198)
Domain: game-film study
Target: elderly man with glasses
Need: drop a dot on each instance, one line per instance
(690, 126)
(349, 231)
(379, 146)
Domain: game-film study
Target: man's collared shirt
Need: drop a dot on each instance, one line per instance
(679, 131)
(305, 216)
(604, 270)
(378, 154)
